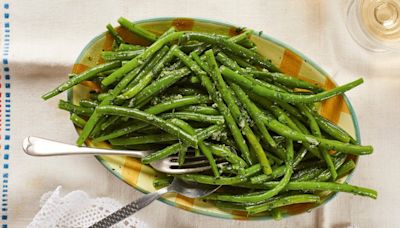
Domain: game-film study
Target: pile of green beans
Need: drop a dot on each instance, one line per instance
(217, 96)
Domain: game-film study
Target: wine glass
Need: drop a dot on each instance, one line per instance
(375, 24)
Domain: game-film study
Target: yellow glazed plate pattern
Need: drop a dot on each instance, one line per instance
(290, 61)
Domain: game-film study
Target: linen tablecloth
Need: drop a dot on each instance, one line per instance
(41, 39)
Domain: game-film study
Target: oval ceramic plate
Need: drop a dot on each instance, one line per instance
(290, 61)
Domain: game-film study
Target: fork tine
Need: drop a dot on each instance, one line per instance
(167, 169)
(194, 163)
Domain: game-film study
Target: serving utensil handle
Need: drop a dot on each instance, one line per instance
(36, 146)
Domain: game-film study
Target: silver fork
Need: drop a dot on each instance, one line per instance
(36, 146)
(188, 189)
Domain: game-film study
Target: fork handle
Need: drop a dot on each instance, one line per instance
(129, 209)
(36, 146)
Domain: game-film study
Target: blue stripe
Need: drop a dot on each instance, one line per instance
(6, 91)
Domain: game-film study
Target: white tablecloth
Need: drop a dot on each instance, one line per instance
(46, 37)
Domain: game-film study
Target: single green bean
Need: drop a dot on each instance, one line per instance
(282, 201)
(137, 30)
(120, 55)
(346, 168)
(254, 86)
(77, 120)
(206, 110)
(88, 74)
(143, 139)
(118, 39)
(88, 103)
(332, 129)
(215, 119)
(285, 80)
(74, 108)
(325, 186)
(129, 47)
(167, 151)
(225, 152)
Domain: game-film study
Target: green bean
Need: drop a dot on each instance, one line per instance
(254, 113)
(227, 95)
(325, 186)
(225, 60)
(77, 120)
(224, 152)
(210, 131)
(284, 201)
(161, 182)
(206, 179)
(74, 108)
(148, 118)
(120, 55)
(88, 103)
(143, 139)
(139, 59)
(325, 175)
(225, 44)
(242, 36)
(195, 117)
(313, 125)
(291, 111)
(153, 68)
(332, 129)
(285, 131)
(110, 121)
(121, 131)
(184, 101)
(167, 151)
(129, 47)
(90, 73)
(187, 48)
(137, 30)
(188, 129)
(276, 214)
(285, 80)
(95, 117)
(307, 174)
(242, 63)
(254, 86)
(202, 146)
(316, 131)
(268, 194)
(206, 82)
(239, 116)
(346, 168)
(118, 39)
(279, 171)
(185, 91)
(158, 86)
(206, 110)
(285, 119)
